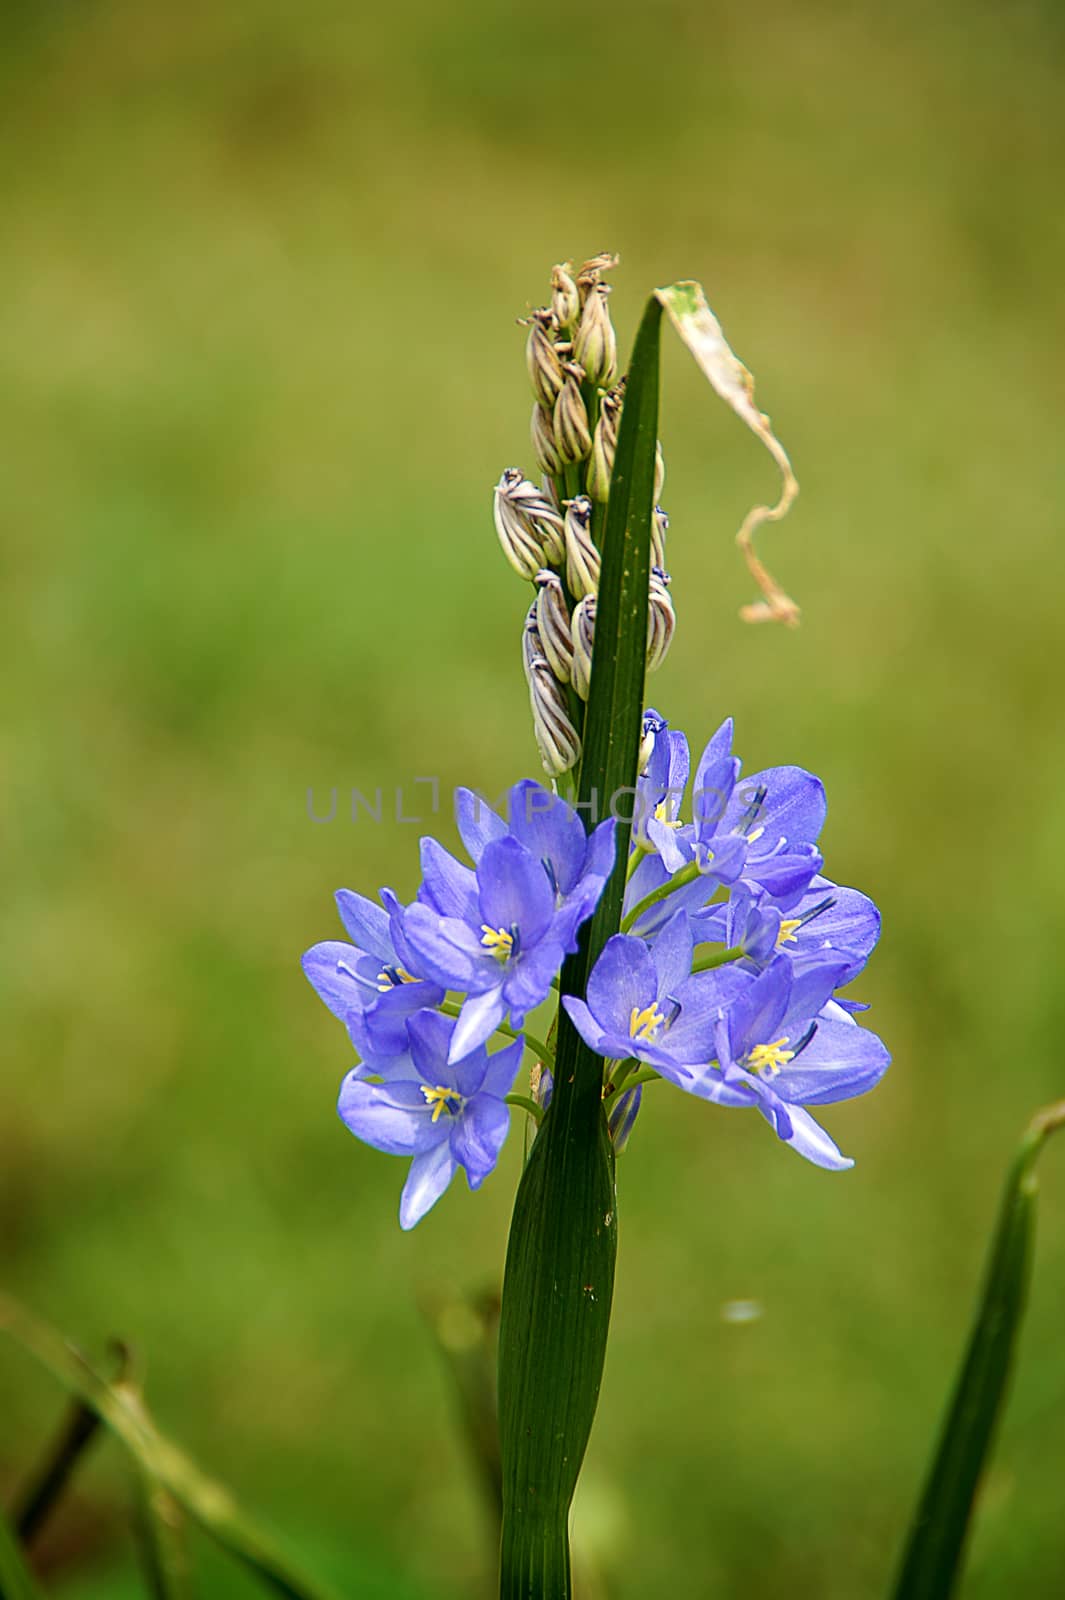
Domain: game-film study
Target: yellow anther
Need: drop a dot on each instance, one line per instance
(787, 930)
(644, 1024)
(442, 1099)
(389, 977)
(755, 834)
(498, 941)
(767, 1059)
(662, 815)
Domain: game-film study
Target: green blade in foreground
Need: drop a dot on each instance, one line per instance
(120, 1408)
(16, 1580)
(934, 1553)
(559, 1277)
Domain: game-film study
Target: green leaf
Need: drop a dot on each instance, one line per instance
(121, 1409)
(16, 1580)
(932, 1561)
(559, 1277)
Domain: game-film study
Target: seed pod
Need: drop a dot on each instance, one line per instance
(583, 640)
(524, 512)
(659, 529)
(582, 558)
(573, 438)
(660, 470)
(557, 739)
(604, 444)
(661, 620)
(553, 625)
(588, 276)
(542, 431)
(595, 346)
(532, 650)
(545, 368)
(520, 537)
(565, 299)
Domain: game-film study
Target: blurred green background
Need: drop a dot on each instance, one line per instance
(259, 370)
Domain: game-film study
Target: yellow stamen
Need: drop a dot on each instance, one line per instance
(498, 941)
(756, 834)
(644, 1025)
(768, 1059)
(662, 815)
(442, 1099)
(389, 977)
(787, 930)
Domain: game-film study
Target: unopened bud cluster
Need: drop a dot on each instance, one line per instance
(549, 533)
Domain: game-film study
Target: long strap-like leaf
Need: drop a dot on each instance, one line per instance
(559, 1277)
(16, 1580)
(932, 1561)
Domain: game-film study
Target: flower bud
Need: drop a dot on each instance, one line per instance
(660, 470)
(565, 299)
(661, 620)
(573, 439)
(545, 449)
(545, 368)
(595, 346)
(553, 625)
(604, 444)
(583, 640)
(623, 1114)
(659, 529)
(556, 738)
(582, 558)
(532, 650)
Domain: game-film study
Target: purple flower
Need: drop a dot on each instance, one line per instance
(373, 984)
(781, 1044)
(443, 1115)
(499, 933)
(763, 829)
(644, 1004)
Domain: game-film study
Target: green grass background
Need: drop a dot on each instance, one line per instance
(258, 372)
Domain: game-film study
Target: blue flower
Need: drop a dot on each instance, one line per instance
(763, 829)
(781, 1045)
(659, 792)
(828, 922)
(499, 933)
(443, 1115)
(371, 984)
(577, 864)
(644, 1004)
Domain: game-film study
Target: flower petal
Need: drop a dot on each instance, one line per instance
(429, 1175)
(514, 891)
(840, 1061)
(477, 823)
(810, 1140)
(477, 1136)
(479, 1018)
(393, 1117)
(503, 1067)
(448, 886)
(623, 979)
(365, 923)
(549, 829)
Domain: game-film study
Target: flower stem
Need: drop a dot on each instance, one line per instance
(645, 1075)
(705, 963)
(526, 1104)
(636, 855)
(686, 875)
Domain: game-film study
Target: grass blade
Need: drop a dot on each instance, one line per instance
(16, 1580)
(934, 1552)
(559, 1276)
(121, 1410)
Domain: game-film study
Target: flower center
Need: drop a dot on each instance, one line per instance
(499, 941)
(645, 1024)
(766, 1060)
(662, 815)
(787, 930)
(442, 1099)
(392, 977)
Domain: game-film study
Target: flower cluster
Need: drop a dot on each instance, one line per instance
(723, 981)
(492, 936)
(549, 532)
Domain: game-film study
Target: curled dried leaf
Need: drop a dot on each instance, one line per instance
(700, 330)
